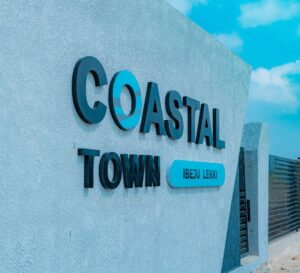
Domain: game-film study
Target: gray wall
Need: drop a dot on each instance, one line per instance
(49, 223)
(256, 144)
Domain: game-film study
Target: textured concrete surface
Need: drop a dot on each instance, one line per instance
(256, 144)
(49, 223)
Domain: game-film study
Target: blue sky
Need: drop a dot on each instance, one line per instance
(266, 34)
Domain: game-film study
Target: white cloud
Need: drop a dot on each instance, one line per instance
(185, 6)
(266, 12)
(275, 85)
(231, 40)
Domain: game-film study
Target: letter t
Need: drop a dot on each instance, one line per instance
(88, 165)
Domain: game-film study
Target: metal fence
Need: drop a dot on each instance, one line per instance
(243, 205)
(284, 196)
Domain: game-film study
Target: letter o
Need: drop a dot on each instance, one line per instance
(103, 170)
(120, 80)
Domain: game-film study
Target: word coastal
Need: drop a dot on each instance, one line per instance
(150, 113)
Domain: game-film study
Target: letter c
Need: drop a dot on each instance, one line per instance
(82, 68)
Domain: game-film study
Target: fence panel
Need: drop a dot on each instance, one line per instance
(284, 193)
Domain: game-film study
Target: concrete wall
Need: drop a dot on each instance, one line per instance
(49, 222)
(256, 144)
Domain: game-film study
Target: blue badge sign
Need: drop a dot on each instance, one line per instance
(190, 174)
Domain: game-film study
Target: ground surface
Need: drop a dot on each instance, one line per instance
(285, 255)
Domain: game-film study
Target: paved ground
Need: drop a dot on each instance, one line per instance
(285, 255)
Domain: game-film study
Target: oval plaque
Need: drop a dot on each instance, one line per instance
(190, 174)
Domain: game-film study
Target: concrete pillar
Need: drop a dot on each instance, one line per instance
(256, 146)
